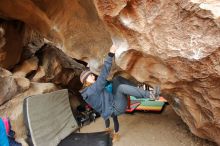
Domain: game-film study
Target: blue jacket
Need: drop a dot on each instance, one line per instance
(96, 95)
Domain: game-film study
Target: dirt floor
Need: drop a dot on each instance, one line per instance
(150, 129)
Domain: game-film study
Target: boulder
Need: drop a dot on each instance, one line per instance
(14, 108)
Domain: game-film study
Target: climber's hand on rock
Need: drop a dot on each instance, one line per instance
(113, 49)
(115, 43)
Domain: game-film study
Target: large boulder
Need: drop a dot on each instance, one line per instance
(11, 86)
(57, 67)
(73, 26)
(8, 86)
(175, 44)
(14, 108)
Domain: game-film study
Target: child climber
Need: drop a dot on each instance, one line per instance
(106, 103)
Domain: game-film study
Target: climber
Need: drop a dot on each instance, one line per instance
(110, 104)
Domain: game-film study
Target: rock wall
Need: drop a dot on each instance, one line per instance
(73, 26)
(49, 70)
(175, 44)
(10, 53)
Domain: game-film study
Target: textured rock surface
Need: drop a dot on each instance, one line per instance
(2, 37)
(26, 67)
(11, 85)
(14, 108)
(8, 86)
(10, 52)
(57, 67)
(74, 26)
(173, 43)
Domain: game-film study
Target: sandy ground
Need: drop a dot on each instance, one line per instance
(151, 129)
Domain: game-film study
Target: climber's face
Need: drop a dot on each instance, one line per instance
(91, 78)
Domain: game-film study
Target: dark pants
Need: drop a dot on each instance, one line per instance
(116, 123)
(121, 89)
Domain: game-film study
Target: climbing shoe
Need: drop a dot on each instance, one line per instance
(116, 137)
(155, 94)
(110, 131)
